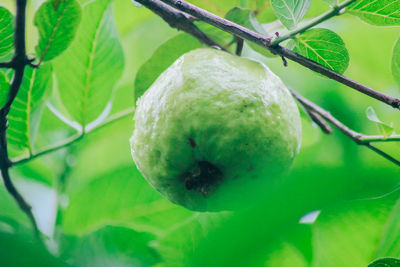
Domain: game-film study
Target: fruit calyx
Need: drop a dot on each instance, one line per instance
(204, 178)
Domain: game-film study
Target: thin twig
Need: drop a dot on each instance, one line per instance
(18, 63)
(355, 136)
(74, 139)
(239, 45)
(320, 122)
(179, 20)
(382, 153)
(264, 41)
(6, 65)
(335, 11)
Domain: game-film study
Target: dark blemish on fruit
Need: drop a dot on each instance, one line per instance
(204, 178)
(192, 142)
(245, 106)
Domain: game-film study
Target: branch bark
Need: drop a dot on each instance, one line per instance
(180, 21)
(18, 63)
(355, 136)
(266, 42)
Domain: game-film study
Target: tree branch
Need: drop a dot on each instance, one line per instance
(18, 63)
(335, 11)
(355, 136)
(320, 122)
(6, 65)
(266, 42)
(179, 20)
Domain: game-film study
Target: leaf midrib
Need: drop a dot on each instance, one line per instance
(53, 33)
(28, 111)
(318, 55)
(88, 72)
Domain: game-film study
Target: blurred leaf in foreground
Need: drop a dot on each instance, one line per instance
(114, 246)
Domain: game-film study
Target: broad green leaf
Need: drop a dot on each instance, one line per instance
(396, 62)
(324, 47)
(10, 214)
(6, 31)
(389, 243)
(246, 18)
(377, 12)
(114, 246)
(34, 253)
(4, 88)
(162, 58)
(89, 69)
(57, 22)
(384, 128)
(179, 246)
(349, 235)
(290, 12)
(386, 262)
(30, 98)
(125, 197)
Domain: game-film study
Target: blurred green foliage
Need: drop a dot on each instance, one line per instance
(96, 209)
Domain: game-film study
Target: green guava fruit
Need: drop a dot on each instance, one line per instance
(214, 130)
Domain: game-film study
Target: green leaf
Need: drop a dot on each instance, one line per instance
(125, 197)
(34, 253)
(377, 12)
(389, 243)
(114, 246)
(290, 12)
(385, 262)
(30, 98)
(179, 246)
(89, 69)
(396, 62)
(325, 47)
(4, 88)
(349, 235)
(6, 31)
(385, 129)
(162, 58)
(11, 215)
(57, 21)
(247, 18)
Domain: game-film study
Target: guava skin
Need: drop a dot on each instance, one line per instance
(213, 129)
